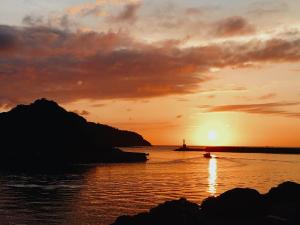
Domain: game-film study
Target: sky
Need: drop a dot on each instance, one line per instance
(223, 72)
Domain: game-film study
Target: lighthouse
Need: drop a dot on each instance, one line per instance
(183, 144)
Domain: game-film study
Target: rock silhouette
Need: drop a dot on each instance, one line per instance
(284, 202)
(238, 202)
(177, 212)
(281, 205)
(45, 133)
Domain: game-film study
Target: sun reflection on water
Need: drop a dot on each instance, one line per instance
(212, 176)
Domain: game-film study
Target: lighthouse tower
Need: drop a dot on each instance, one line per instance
(183, 144)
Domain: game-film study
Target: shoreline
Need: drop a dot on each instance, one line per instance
(242, 149)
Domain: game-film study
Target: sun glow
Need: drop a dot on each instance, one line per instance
(213, 130)
(212, 135)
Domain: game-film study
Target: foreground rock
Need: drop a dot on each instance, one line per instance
(177, 212)
(239, 206)
(43, 133)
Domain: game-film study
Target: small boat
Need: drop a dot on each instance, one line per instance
(207, 155)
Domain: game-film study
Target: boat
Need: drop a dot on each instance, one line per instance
(207, 155)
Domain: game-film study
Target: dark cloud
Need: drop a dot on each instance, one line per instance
(30, 20)
(128, 13)
(66, 66)
(84, 113)
(273, 108)
(8, 39)
(275, 50)
(61, 22)
(97, 10)
(179, 116)
(232, 26)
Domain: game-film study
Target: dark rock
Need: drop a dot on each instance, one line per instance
(285, 192)
(235, 203)
(43, 133)
(239, 206)
(284, 203)
(177, 212)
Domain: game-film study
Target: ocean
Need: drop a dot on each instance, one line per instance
(98, 194)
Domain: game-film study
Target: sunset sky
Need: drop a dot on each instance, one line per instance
(223, 72)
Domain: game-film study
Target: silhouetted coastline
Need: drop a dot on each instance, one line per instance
(240, 149)
(239, 206)
(249, 149)
(43, 134)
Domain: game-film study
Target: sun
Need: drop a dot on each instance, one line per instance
(212, 135)
(213, 130)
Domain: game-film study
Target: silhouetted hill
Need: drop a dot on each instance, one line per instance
(45, 132)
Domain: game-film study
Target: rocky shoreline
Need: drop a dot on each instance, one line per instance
(239, 206)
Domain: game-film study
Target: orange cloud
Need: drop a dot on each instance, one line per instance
(267, 96)
(66, 66)
(87, 9)
(97, 8)
(273, 108)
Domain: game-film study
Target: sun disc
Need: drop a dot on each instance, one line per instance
(212, 135)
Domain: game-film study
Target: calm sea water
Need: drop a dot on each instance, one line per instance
(98, 194)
